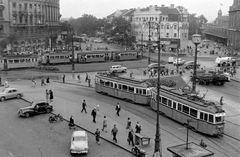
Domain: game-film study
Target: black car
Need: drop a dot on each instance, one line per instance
(190, 65)
(36, 107)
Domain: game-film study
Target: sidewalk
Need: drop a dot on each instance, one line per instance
(67, 106)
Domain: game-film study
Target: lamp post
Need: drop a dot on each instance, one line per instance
(142, 43)
(196, 39)
(179, 47)
(189, 120)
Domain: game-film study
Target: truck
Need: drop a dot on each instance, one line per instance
(205, 78)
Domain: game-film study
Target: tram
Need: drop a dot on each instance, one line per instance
(128, 89)
(55, 58)
(93, 56)
(175, 103)
(18, 61)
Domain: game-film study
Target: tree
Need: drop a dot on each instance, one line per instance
(10, 39)
(195, 23)
(202, 19)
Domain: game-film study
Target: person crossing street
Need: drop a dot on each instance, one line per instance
(114, 133)
(84, 106)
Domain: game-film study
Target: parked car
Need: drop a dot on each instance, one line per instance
(190, 65)
(79, 142)
(178, 61)
(9, 93)
(98, 41)
(36, 107)
(170, 60)
(228, 76)
(118, 68)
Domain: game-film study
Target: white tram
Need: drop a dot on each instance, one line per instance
(124, 88)
(208, 116)
(56, 58)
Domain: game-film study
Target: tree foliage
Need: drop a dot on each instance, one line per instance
(10, 39)
(195, 23)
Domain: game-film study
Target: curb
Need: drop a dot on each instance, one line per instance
(235, 80)
(24, 99)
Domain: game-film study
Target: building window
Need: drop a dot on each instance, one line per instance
(26, 20)
(175, 26)
(30, 6)
(161, 26)
(167, 26)
(175, 35)
(167, 35)
(14, 5)
(20, 6)
(25, 6)
(14, 19)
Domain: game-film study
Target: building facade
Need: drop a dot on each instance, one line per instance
(35, 22)
(234, 26)
(173, 22)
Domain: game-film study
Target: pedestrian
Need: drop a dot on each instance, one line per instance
(33, 83)
(47, 95)
(202, 144)
(79, 78)
(84, 104)
(221, 100)
(138, 128)
(104, 123)
(42, 82)
(89, 81)
(118, 109)
(6, 84)
(97, 135)
(114, 133)
(51, 95)
(94, 114)
(97, 107)
(128, 124)
(71, 123)
(130, 137)
(86, 77)
(63, 78)
(47, 81)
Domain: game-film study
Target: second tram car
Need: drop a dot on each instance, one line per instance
(208, 116)
(55, 58)
(124, 88)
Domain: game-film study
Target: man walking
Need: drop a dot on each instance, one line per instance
(128, 124)
(104, 123)
(51, 95)
(114, 133)
(97, 135)
(138, 128)
(130, 137)
(94, 114)
(221, 100)
(86, 77)
(63, 78)
(118, 108)
(84, 106)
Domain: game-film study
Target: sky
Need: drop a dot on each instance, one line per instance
(103, 8)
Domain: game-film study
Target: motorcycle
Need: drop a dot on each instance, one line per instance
(138, 152)
(55, 118)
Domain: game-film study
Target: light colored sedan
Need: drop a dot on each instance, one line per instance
(79, 142)
(9, 93)
(179, 61)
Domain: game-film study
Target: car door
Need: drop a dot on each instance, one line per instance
(14, 93)
(41, 107)
(9, 94)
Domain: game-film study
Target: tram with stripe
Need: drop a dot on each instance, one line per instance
(128, 89)
(55, 58)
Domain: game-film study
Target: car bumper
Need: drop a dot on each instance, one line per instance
(21, 114)
(79, 151)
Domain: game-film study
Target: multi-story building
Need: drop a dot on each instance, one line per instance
(173, 22)
(234, 25)
(35, 22)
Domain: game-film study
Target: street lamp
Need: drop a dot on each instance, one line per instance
(189, 120)
(196, 39)
(179, 47)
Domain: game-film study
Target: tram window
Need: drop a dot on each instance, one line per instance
(10, 61)
(111, 84)
(56, 57)
(210, 118)
(119, 86)
(179, 107)
(193, 112)
(22, 60)
(218, 119)
(51, 57)
(170, 103)
(164, 101)
(61, 57)
(205, 116)
(66, 56)
(174, 105)
(131, 89)
(16, 60)
(185, 109)
(115, 85)
(144, 91)
(107, 83)
(201, 115)
(97, 56)
(140, 91)
(124, 87)
(88, 56)
(93, 56)
(28, 60)
(101, 82)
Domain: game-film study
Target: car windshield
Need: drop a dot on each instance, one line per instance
(4, 90)
(79, 138)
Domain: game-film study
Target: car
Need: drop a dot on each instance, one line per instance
(228, 76)
(79, 142)
(98, 41)
(223, 61)
(190, 65)
(178, 61)
(9, 93)
(36, 107)
(118, 68)
(170, 60)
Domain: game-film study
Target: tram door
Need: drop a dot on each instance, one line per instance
(115, 90)
(5, 65)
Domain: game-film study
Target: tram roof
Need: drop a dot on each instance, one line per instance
(19, 56)
(194, 150)
(94, 52)
(58, 53)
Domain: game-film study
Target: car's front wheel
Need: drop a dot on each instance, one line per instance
(48, 110)
(19, 96)
(2, 98)
(27, 115)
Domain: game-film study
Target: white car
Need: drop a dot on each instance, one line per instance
(118, 68)
(9, 93)
(170, 60)
(79, 142)
(227, 75)
(179, 61)
(223, 61)
(98, 41)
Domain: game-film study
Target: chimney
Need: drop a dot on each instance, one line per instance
(171, 5)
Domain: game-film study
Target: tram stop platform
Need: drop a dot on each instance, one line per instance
(193, 150)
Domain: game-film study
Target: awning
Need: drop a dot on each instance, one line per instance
(173, 46)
